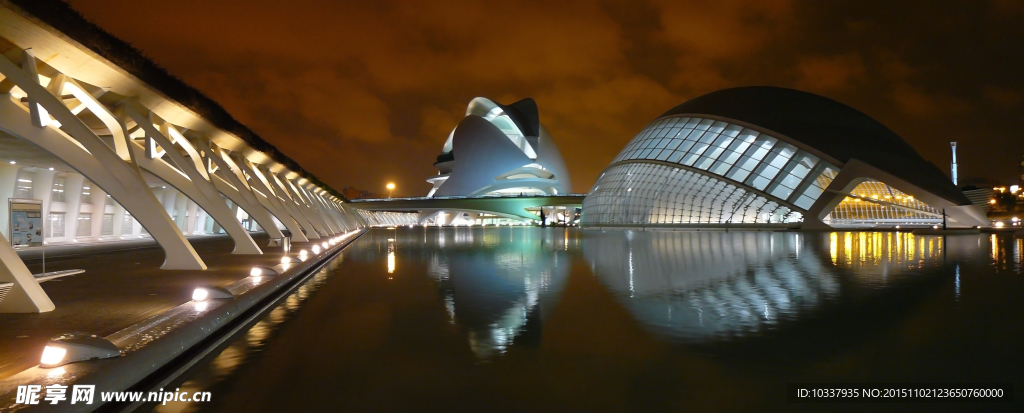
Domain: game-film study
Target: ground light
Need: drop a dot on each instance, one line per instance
(286, 260)
(259, 271)
(74, 347)
(303, 255)
(324, 244)
(316, 249)
(211, 293)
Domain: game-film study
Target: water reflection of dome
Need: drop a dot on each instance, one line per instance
(700, 285)
(492, 289)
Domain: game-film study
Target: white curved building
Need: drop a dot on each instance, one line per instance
(500, 150)
(767, 156)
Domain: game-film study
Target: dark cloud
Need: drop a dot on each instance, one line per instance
(361, 93)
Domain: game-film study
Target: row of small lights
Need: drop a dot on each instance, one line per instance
(75, 347)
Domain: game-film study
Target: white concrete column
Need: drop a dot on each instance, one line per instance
(180, 207)
(275, 206)
(26, 296)
(73, 202)
(167, 199)
(312, 231)
(190, 223)
(8, 183)
(99, 209)
(118, 219)
(42, 188)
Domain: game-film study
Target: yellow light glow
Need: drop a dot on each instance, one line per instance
(256, 272)
(391, 185)
(201, 306)
(325, 245)
(200, 294)
(257, 279)
(999, 225)
(316, 249)
(391, 262)
(286, 260)
(992, 201)
(52, 355)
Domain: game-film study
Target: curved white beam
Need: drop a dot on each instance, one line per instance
(227, 183)
(91, 157)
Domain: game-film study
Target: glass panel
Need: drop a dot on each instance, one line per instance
(57, 194)
(24, 187)
(87, 192)
(642, 194)
(108, 225)
(56, 229)
(84, 226)
(127, 225)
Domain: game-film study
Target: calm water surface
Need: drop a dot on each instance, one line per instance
(533, 319)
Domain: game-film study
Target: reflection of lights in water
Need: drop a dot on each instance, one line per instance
(694, 286)
(848, 248)
(1018, 252)
(630, 271)
(833, 246)
(258, 333)
(391, 256)
(229, 359)
(995, 248)
(449, 304)
(957, 281)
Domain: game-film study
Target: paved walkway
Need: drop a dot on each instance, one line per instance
(122, 285)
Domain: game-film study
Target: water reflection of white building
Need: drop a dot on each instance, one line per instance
(495, 280)
(695, 286)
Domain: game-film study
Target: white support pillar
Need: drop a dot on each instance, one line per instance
(181, 210)
(319, 209)
(167, 197)
(118, 220)
(190, 223)
(26, 296)
(99, 210)
(8, 183)
(113, 169)
(197, 185)
(42, 189)
(297, 202)
(274, 204)
(312, 231)
(73, 202)
(226, 180)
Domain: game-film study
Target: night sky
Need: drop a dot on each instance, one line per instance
(365, 92)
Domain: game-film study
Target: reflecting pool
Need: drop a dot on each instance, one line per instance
(556, 319)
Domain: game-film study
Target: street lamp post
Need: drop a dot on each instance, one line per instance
(391, 187)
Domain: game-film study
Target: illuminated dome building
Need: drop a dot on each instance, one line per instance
(771, 157)
(500, 150)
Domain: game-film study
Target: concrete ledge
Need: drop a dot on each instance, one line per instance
(153, 343)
